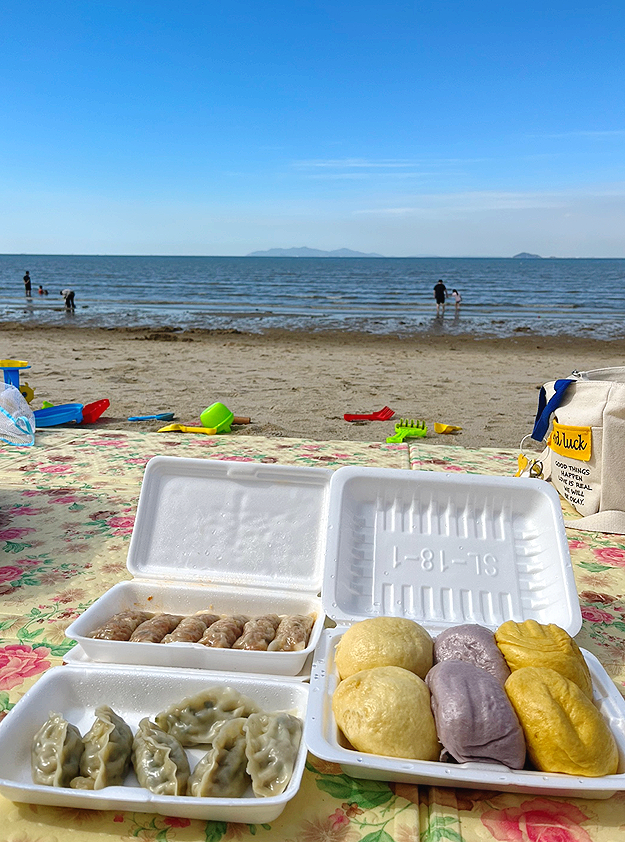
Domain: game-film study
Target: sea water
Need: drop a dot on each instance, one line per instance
(500, 296)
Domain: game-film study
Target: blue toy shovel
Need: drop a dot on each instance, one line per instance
(159, 416)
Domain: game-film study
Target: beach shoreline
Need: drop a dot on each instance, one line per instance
(300, 383)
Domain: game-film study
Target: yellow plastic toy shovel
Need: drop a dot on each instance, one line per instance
(174, 428)
(446, 428)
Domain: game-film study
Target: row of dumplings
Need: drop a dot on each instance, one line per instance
(244, 745)
(269, 632)
(524, 692)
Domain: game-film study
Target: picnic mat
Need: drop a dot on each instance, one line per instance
(67, 509)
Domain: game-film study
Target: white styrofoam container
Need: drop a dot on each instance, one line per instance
(77, 655)
(324, 740)
(228, 537)
(444, 550)
(75, 692)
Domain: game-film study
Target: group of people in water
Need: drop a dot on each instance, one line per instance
(68, 294)
(441, 294)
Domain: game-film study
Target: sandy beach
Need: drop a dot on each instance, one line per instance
(301, 384)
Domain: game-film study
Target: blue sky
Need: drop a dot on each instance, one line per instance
(424, 128)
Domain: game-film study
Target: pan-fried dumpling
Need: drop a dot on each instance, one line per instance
(55, 752)
(221, 772)
(272, 743)
(191, 720)
(105, 760)
(292, 634)
(120, 626)
(258, 633)
(159, 760)
(190, 629)
(155, 629)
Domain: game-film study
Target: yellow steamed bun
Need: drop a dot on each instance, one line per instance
(385, 642)
(531, 644)
(563, 729)
(386, 710)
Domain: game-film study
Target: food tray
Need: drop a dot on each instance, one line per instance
(325, 741)
(444, 550)
(229, 537)
(77, 655)
(75, 692)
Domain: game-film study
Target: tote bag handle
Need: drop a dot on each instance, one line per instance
(547, 407)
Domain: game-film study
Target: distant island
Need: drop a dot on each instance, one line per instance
(306, 252)
(525, 255)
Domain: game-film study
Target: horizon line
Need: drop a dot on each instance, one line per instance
(310, 257)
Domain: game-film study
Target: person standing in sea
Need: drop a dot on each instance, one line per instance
(27, 284)
(440, 294)
(68, 295)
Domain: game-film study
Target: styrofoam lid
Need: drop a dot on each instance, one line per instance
(215, 522)
(446, 549)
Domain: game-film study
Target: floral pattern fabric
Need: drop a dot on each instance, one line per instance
(67, 509)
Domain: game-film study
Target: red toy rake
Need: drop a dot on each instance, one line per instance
(384, 414)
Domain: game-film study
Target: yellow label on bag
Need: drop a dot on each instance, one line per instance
(574, 442)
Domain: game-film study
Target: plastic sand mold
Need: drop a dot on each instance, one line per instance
(446, 428)
(92, 411)
(218, 416)
(63, 414)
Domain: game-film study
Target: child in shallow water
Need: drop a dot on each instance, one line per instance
(457, 298)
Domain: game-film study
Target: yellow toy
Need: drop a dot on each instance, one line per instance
(446, 428)
(174, 428)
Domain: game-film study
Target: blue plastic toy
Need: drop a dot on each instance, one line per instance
(63, 414)
(159, 416)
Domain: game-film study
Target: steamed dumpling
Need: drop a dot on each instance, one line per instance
(55, 752)
(386, 710)
(221, 773)
(474, 718)
(473, 644)
(384, 642)
(159, 760)
(564, 731)
(272, 743)
(531, 644)
(106, 757)
(191, 720)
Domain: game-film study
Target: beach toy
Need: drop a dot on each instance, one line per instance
(28, 393)
(174, 428)
(158, 416)
(446, 428)
(217, 415)
(11, 370)
(92, 411)
(408, 429)
(63, 414)
(384, 414)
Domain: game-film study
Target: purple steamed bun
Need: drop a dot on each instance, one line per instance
(474, 719)
(473, 644)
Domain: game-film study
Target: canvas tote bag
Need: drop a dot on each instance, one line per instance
(582, 418)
